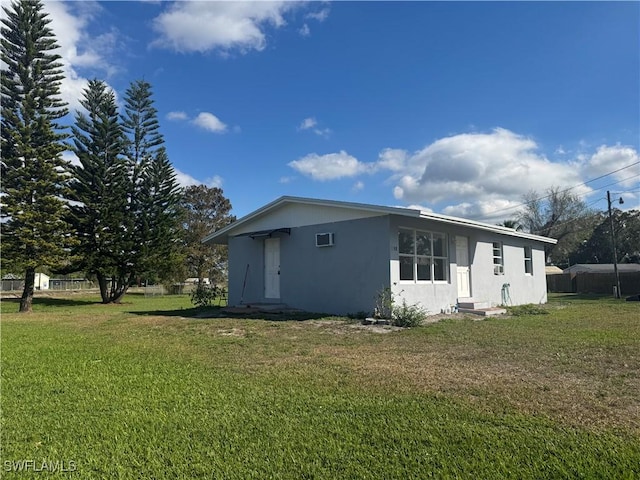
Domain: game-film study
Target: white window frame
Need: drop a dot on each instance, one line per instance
(528, 260)
(498, 258)
(430, 258)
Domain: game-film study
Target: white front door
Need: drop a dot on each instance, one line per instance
(272, 268)
(463, 270)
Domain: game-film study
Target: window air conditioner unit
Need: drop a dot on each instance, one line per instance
(324, 239)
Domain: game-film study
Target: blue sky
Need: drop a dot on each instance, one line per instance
(460, 108)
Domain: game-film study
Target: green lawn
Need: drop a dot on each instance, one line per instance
(143, 390)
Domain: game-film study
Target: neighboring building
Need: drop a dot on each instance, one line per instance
(334, 257)
(602, 268)
(597, 278)
(14, 282)
(552, 270)
(194, 281)
(41, 281)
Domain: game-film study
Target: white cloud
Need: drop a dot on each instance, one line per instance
(307, 123)
(210, 122)
(305, 31)
(358, 186)
(478, 175)
(490, 210)
(331, 166)
(473, 167)
(79, 50)
(392, 159)
(186, 180)
(311, 123)
(222, 26)
(205, 120)
(214, 182)
(177, 116)
(320, 16)
(609, 158)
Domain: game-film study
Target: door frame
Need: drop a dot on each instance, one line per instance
(463, 269)
(272, 271)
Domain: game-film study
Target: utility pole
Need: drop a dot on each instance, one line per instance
(613, 243)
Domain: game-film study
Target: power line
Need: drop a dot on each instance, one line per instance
(588, 214)
(575, 186)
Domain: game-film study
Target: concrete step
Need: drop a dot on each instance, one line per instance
(484, 312)
(472, 304)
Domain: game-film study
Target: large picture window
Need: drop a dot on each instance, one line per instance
(423, 256)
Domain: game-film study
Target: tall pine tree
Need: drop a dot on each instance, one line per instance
(33, 171)
(125, 192)
(154, 191)
(99, 189)
(159, 198)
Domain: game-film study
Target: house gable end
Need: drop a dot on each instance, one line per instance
(291, 215)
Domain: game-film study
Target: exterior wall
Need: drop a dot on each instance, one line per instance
(523, 288)
(41, 281)
(346, 277)
(246, 260)
(485, 286)
(340, 279)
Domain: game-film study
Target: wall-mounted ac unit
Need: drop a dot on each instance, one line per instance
(324, 239)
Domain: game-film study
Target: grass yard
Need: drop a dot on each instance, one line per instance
(144, 390)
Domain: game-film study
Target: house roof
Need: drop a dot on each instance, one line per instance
(239, 227)
(602, 268)
(552, 270)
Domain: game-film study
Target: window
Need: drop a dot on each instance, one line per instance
(423, 256)
(528, 261)
(498, 260)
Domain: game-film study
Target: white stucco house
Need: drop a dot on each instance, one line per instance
(334, 257)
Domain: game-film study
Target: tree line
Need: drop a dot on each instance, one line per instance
(583, 234)
(118, 214)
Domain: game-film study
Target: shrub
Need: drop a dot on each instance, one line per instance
(204, 295)
(403, 315)
(406, 315)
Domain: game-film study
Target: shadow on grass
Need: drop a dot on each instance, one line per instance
(180, 312)
(55, 302)
(204, 313)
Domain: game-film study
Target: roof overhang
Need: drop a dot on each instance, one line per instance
(486, 227)
(221, 236)
(266, 233)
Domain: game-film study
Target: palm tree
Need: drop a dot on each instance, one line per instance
(511, 224)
